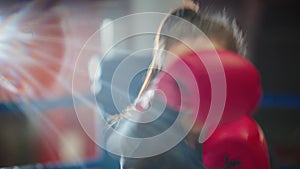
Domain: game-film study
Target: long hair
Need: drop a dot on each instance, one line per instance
(216, 27)
(162, 42)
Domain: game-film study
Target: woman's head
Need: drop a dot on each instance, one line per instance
(185, 30)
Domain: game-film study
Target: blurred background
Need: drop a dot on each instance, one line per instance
(45, 129)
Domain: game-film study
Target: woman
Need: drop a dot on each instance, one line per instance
(180, 80)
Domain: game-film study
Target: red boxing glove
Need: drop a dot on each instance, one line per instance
(239, 145)
(243, 89)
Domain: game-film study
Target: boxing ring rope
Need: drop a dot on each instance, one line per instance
(285, 101)
(269, 100)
